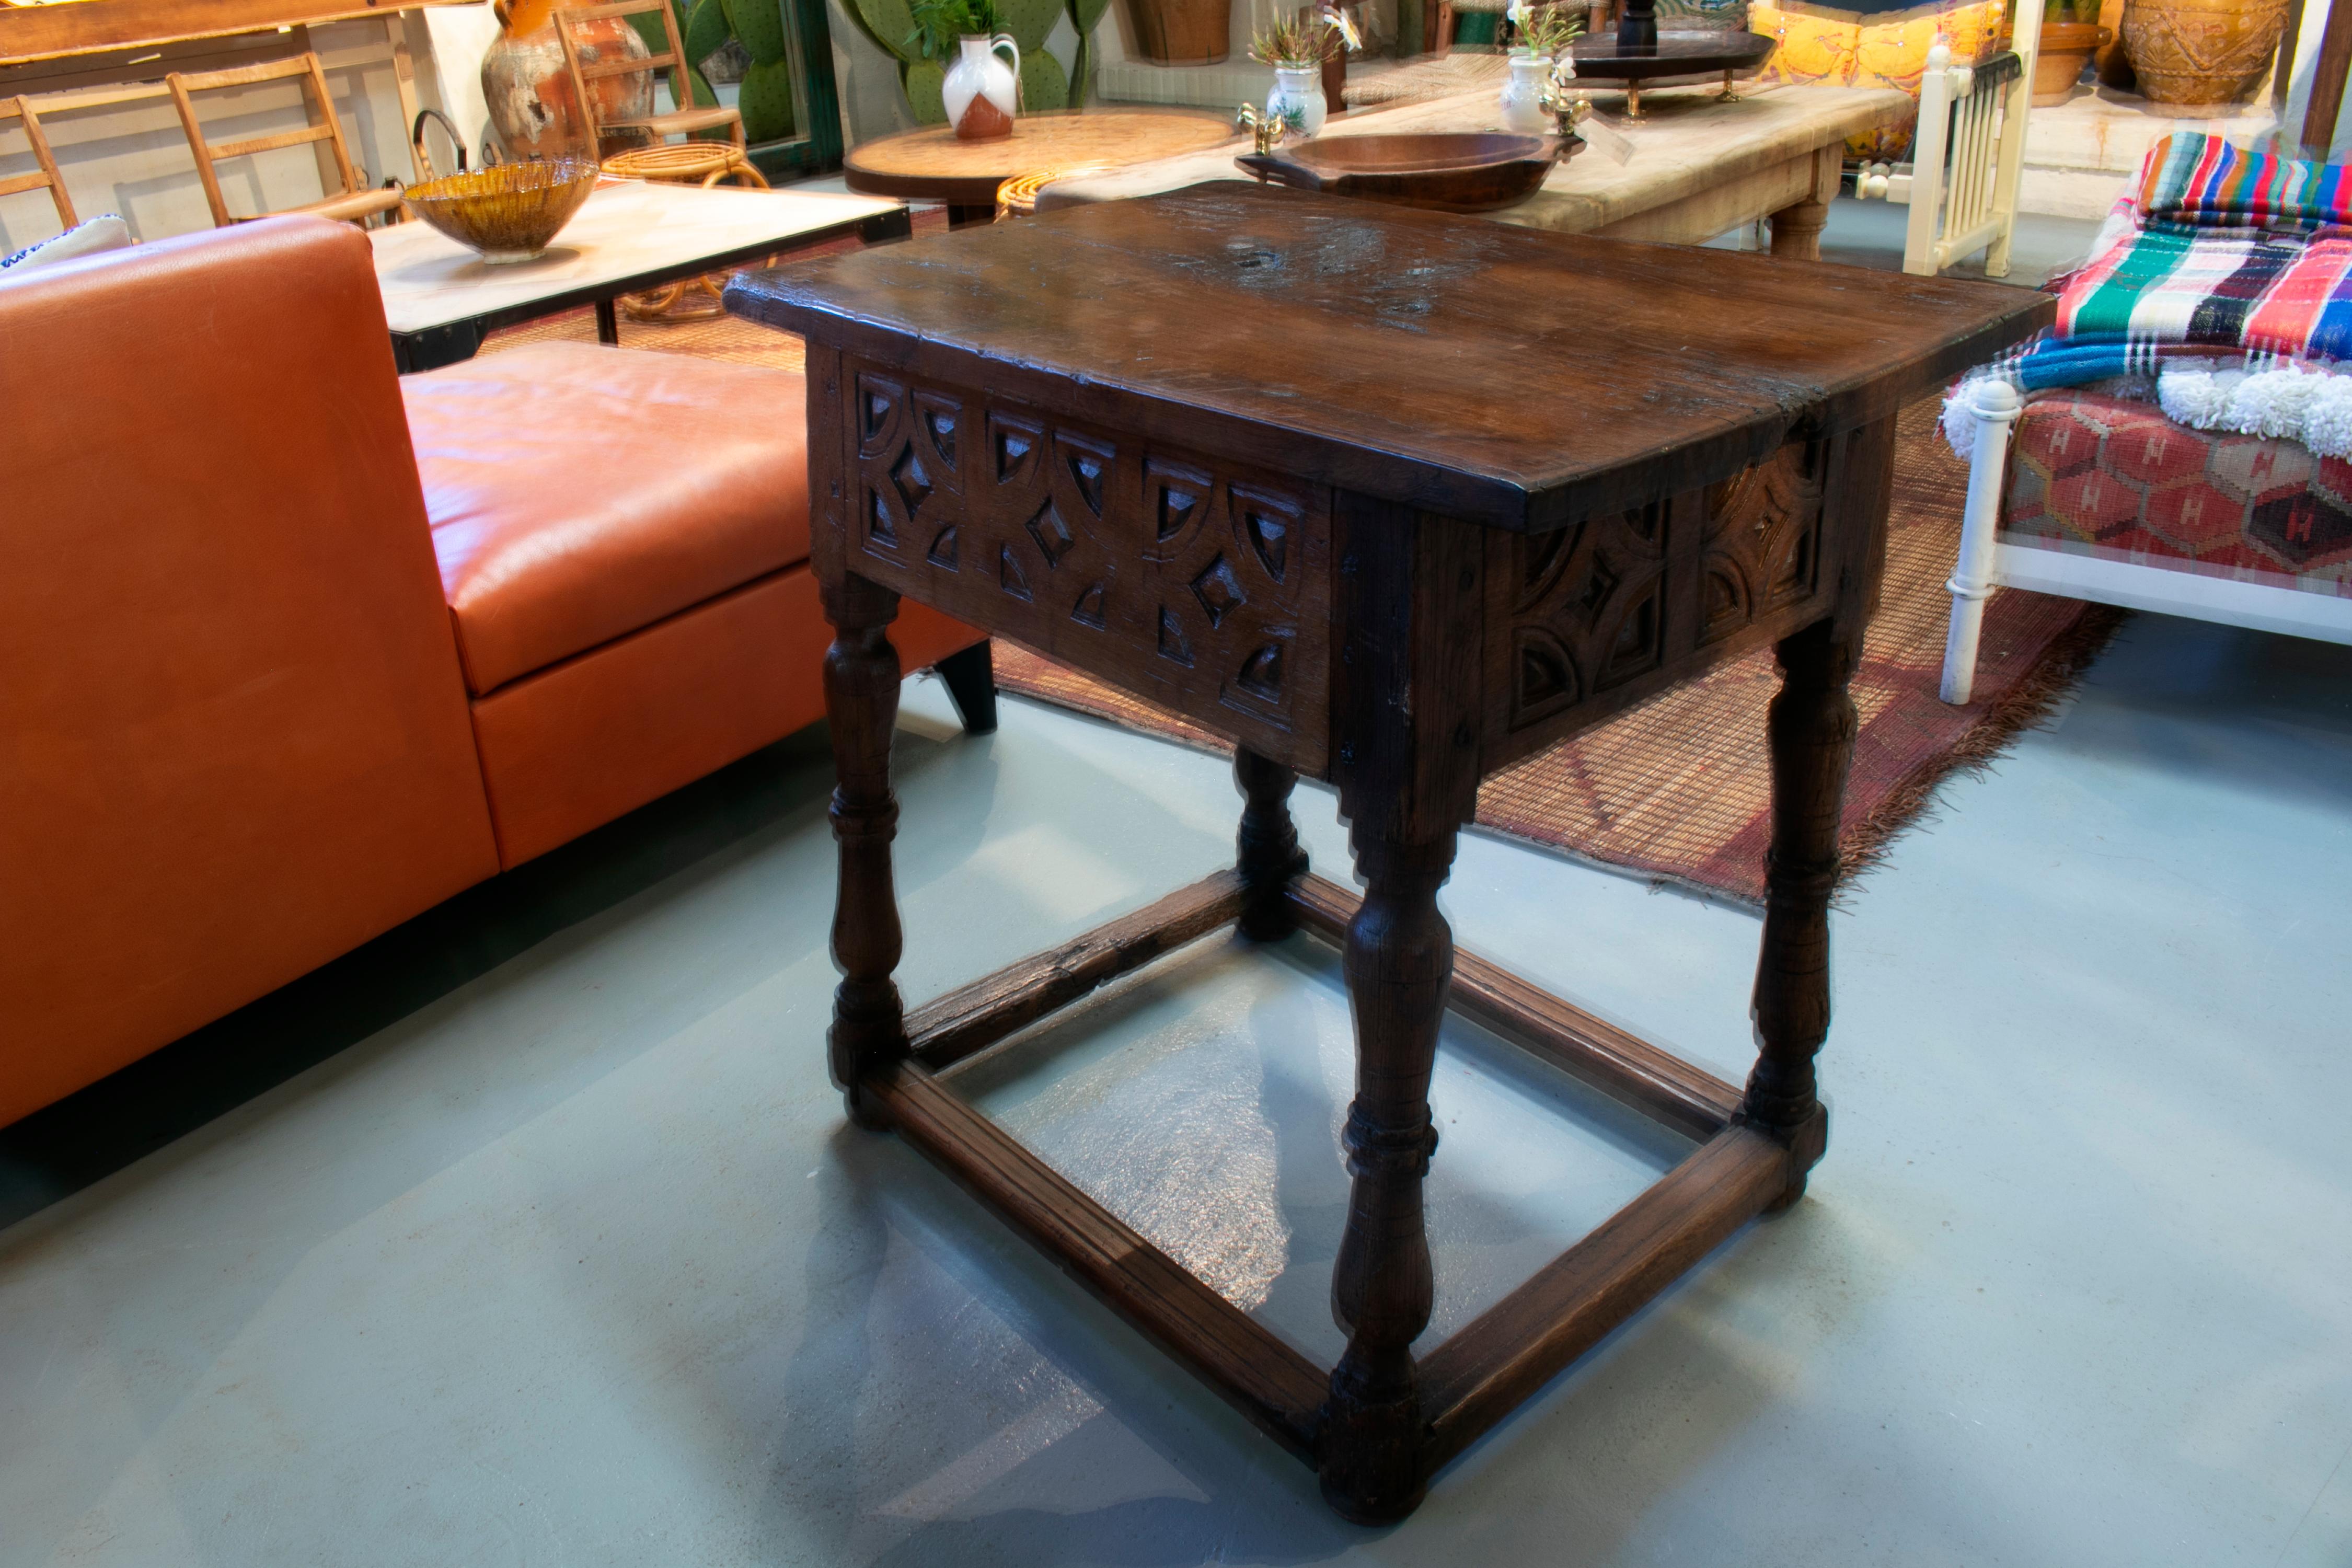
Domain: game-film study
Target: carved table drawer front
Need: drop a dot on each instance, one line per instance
(1585, 612)
(1184, 578)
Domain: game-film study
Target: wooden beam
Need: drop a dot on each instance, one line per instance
(1277, 1388)
(1589, 1049)
(50, 32)
(949, 1029)
(1484, 1372)
(2328, 71)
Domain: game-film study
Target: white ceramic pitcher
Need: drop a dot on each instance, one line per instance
(981, 92)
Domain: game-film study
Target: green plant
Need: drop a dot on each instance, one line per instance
(1307, 36)
(940, 22)
(891, 26)
(1545, 30)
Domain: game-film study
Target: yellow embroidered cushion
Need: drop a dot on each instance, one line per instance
(1817, 48)
(1820, 46)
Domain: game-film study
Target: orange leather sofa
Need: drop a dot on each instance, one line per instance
(294, 649)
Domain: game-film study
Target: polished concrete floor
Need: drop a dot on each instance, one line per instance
(568, 1256)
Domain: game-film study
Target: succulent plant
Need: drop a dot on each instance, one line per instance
(891, 25)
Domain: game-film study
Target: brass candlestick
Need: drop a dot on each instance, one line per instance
(1561, 100)
(1265, 130)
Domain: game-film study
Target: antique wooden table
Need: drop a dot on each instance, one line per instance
(1392, 499)
(1698, 168)
(934, 165)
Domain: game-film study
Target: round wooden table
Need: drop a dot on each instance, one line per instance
(931, 164)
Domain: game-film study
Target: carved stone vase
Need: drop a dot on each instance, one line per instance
(527, 89)
(2201, 54)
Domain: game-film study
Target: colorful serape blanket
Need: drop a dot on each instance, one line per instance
(2214, 291)
(2197, 181)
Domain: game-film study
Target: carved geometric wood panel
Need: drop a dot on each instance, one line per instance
(1182, 578)
(1589, 609)
(1580, 613)
(1762, 540)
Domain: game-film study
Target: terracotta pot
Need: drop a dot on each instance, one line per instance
(2206, 53)
(2066, 47)
(528, 89)
(1183, 32)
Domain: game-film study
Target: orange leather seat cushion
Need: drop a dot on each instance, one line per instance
(578, 493)
(234, 741)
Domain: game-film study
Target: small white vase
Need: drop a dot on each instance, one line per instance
(1298, 98)
(980, 92)
(1523, 92)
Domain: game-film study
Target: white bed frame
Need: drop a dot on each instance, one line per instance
(1966, 167)
(1986, 563)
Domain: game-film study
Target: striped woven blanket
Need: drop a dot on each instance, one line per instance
(2202, 182)
(2213, 291)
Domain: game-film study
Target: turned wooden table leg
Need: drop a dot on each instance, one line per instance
(1812, 726)
(1399, 961)
(1270, 858)
(1406, 739)
(861, 704)
(1797, 228)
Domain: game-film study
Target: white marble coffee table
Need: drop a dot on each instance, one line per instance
(440, 299)
(1698, 168)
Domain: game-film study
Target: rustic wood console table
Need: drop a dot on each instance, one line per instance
(1392, 499)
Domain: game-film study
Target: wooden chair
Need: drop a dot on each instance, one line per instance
(686, 120)
(22, 109)
(355, 202)
(691, 162)
(1968, 159)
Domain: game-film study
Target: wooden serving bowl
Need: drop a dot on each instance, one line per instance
(508, 212)
(1468, 172)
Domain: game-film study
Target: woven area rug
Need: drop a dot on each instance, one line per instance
(1676, 789)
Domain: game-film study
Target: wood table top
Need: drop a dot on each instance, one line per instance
(624, 231)
(1522, 379)
(1686, 143)
(933, 163)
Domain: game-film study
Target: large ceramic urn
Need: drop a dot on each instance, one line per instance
(2201, 54)
(528, 88)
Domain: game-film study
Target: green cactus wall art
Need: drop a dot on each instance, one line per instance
(891, 26)
(765, 98)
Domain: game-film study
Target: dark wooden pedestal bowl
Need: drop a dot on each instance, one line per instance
(1464, 173)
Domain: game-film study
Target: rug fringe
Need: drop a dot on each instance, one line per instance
(2023, 707)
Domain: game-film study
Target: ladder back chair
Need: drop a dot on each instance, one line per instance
(589, 63)
(691, 162)
(354, 203)
(21, 109)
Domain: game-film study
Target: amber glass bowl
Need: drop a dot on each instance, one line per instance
(508, 212)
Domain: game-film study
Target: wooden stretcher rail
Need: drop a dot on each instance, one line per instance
(272, 143)
(1274, 1385)
(1484, 1372)
(964, 1021)
(1619, 1065)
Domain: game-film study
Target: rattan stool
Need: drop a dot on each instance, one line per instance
(682, 163)
(1017, 197)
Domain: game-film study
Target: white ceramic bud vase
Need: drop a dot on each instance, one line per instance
(980, 92)
(1296, 99)
(1523, 92)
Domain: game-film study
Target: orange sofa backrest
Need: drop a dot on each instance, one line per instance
(233, 742)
